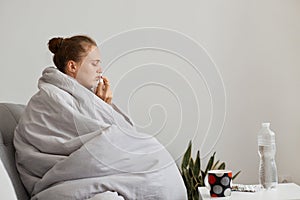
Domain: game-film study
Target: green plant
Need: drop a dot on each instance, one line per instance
(192, 174)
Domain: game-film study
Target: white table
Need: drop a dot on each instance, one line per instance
(282, 192)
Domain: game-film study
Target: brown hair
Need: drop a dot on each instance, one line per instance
(74, 48)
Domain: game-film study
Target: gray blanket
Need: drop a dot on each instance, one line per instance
(72, 145)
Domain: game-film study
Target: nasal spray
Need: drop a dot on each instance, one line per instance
(96, 85)
(101, 79)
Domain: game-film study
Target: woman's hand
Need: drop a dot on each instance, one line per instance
(103, 90)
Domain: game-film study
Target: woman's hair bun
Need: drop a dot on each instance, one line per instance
(54, 44)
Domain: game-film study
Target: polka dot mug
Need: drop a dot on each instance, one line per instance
(219, 183)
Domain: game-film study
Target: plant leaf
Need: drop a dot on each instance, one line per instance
(195, 194)
(197, 185)
(215, 165)
(191, 164)
(192, 181)
(222, 165)
(186, 179)
(186, 157)
(200, 181)
(236, 175)
(197, 165)
(203, 177)
(191, 173)
(210, 163)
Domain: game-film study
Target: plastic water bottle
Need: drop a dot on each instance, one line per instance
(266, 150)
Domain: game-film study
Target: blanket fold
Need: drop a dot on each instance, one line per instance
(70, 144)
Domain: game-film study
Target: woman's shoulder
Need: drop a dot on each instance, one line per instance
(49, 99)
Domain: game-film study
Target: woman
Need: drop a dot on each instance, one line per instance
(73, 143)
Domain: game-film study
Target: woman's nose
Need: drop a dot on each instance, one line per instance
(99, 70)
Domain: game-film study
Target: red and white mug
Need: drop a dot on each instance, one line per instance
(219, 183)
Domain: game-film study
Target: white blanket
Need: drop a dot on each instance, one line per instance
(72, 145)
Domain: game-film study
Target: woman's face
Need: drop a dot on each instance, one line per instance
(88, 73)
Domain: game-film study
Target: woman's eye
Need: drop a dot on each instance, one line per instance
(96, 63)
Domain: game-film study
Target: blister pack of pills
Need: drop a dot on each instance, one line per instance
(246, 188)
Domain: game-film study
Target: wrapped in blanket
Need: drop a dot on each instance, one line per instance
(70, 144)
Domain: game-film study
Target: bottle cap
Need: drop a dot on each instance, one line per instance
(265, 124)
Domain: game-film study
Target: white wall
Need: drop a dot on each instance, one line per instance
(255, 45)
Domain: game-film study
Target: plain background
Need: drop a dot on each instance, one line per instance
(255, 45)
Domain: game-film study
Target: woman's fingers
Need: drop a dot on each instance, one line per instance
(106, 88)
(107, 91)
(103, 90)
(99, 90)
(108, 97)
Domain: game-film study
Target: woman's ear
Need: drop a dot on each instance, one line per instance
(71, 68)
